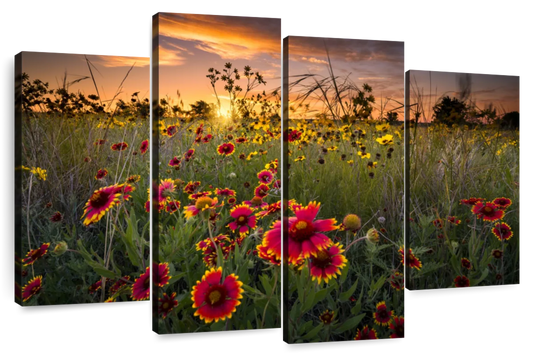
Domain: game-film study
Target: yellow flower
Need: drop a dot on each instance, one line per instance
(39, 173)
(251, 155)
(333, 148)
(363, 155)
(300, 158)
(382, 127)
(385, 140)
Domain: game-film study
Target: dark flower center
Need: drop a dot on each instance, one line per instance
(99, 199)
(383, 314)
(216, 295)
(301, 230)
(146, 283)
(399, 331)
(242, 220)
(322, 259)
(488, 209)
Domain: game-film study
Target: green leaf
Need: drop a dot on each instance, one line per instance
(344, 273)
(349, 324)
(217, 326)
(482, 277)
(345, 296)
(266, 284)
(313, 332)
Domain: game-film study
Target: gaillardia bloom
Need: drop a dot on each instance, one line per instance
(95, 286)
(35, 254)
(488, 211)
(466, 263)
(167, 304)
(413, 261)
(140, 290)
(502, 202)
(438, 223)
(56, 217)
(471, 201)
(265, 177)
(497, 253)
(226, 149)
(502, 231)
(119, 146)
(396, 281)
(261, 191)
(366, 334)
(327, 317)
(304, 237)
(202, 204)
(188, 155)
(382, 316)
(397, 327)
(271, 244)
(100, 174)
(174, 162)
(244, 221)
(100, 202)
(327, 263)
(32, 288)
(461, 281)
(161, 274)
(144, 146)
(216, 299)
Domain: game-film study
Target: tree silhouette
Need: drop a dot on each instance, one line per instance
(510, 120)
(450, 111)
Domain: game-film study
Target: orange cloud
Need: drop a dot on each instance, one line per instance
(115, 61)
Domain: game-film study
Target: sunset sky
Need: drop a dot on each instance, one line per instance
(111, 70)
(500, 90)
(191, 44)
(377, 63)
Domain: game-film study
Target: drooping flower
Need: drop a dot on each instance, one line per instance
(140, 290)
(119, 146)
(167, 304)
(173, 206)
(327, 263)
(413, 261)
(214, 298)
(32, 288)
(144, 146)
(210, 247)
(502, 231)
(397, 327)
(119, 285)
(372, 235)
(487, 211)
(56, 217)
(396, 281)
(161, 274)
(35, 254)
(269, 210)
(189, 155)
(202, 204)
(244, 220)
(382, 316)
(471, 201)
(366, 334)
(95, 286)
(304, 237)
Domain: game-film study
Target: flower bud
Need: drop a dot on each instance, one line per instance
(372, 235)
(60, 248)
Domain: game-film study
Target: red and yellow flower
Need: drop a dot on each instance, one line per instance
(144, 146)
(35, 254)
(487, 211)
(119, 146)
(466, 263)
(100, 174)
(244, 219)
(396, 281)
(201, 205)
(502, 231)
(366, 333)
(327, 317)
(382, 316)
(226, 149)
(327, 263)
(413, 261)
(305, 239)
(101, 201)
(140, 290)
(161, 274)
(502, 202)
(471, 201)
(32, 288)
(167, 304)
(461, 281)
(265, 177)
(397, 327)
(214, 298)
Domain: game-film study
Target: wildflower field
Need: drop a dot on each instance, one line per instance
(464, 209)
(82, 175)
